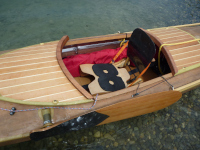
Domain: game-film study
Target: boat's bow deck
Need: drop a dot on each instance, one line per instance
(32, 74)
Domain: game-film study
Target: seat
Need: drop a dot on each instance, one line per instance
(108, 77)
(141, 49)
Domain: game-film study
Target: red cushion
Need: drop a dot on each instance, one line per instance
(105, 56)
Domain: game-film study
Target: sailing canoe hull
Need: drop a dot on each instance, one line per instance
(26, 72)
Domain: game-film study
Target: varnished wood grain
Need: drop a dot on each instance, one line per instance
(60, 46)
(139, 106)
(33, 74)
(182, 55)
(165, 51)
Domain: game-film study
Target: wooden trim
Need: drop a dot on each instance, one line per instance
(165, 51)
(7, 99)
(187, 69)
(59, 48)
(189, 86)
(178, 26)
(96, 39)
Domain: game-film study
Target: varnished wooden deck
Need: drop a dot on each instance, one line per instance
(33, 74)
(184, 55)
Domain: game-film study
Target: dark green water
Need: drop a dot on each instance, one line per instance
(24, 23)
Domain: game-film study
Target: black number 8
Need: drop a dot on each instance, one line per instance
(108, 79)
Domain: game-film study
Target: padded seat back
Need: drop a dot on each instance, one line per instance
(141, 49)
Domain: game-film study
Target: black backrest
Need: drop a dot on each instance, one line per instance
(141, 49)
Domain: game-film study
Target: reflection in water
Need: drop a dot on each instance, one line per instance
(24, 23)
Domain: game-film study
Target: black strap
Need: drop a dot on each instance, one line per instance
(133, 71)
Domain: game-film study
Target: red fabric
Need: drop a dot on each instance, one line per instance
(100, 57)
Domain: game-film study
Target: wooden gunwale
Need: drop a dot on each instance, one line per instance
(177, 26)
(59, 48)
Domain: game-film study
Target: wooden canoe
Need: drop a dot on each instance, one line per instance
(35, 77)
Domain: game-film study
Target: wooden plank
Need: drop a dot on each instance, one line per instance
(43, 92)
(185, 55)
(174, 34)
(185, 49)
(182, 66)
(179, 36)
(29, 67)
(65, 96)
(164, 31)
(177, 40)
(27, 62)
(187, 60)
(29, 72)
(32, 85)
(169, 34)
(31, 48)
(171, 47)
(32, 55)
(34, 51)
(28, 79)
(139, 106)
(26, 57)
